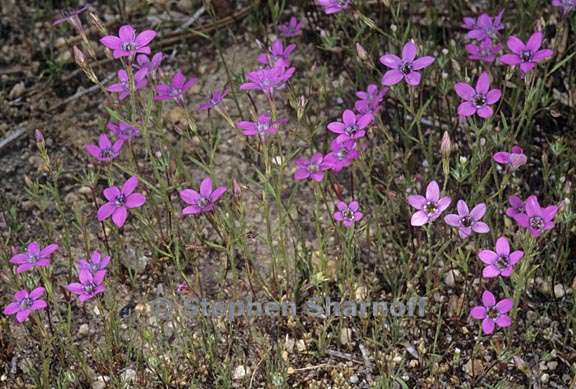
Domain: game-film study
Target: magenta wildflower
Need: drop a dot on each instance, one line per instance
(348, 214)
(405, 68)
(477, 100)
(333, 6)
(370, 100)
(484, 27)
(526, 56)
(468, 221)
(268, 79)
(517, 207)
(177, 88)
(72, 16)
(123, 131)
(312, 168)
(96, 263)
(203, 201)
(515, 158)
(263, 125)
(500, 262)
(89, 286)
(25, 303)
(485, 51)
(119, 201)
(341, 154)
(429, 207)
(105, 151)
(291, 29)
(352, 126)
(127, 43)
(492, 313)
(148, 66)
(566, 5)
(277, 53)
(123, 87)
(33, 256)
(214, 99)
(536, 219)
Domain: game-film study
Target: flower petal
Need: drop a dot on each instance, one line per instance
(135, 200)
(390, 60)
(464, 90)
(119, 216)
(392, 77)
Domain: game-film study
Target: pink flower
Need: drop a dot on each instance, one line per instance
(485, 51)
(348, 214)
(485, 27)
(25, 303)
(148, 66)
(429, 207)
(502, 261)
(105, 151)
(370, 100)
(492, 313)
(341, 154)
(477, 100)
(566, 5)
(123, 87)
(312, 168)
(89, 286)
(33, 256)
(468, 221)
(525, 55)
(352, 126)
(96, 263)
(268, 79)
(214, 99)
(123, 131)
(517, 207)
(277, 52)
(515, 158)
(119, 201)
(177, 88)
(333, 6)
(405, 68)
(201, 202)
(128, 44)
(536, 219)
(262, 126)
(291, 29)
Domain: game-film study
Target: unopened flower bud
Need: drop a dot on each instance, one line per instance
(79, 57)
(39, 136)
(446, 145)
(362, 53)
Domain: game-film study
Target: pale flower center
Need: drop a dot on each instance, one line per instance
(537, 222)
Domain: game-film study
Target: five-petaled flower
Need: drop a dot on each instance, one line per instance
(515, 158)
(348, 214)
(492, 313)
(268, 79)
(405, 68)
(123, 87)
(485, 27)
(429, 207)
(96, 263)
(25, 303)
(468, 221)
(262, 126)
(105, 151)
(312, 168)
(500, 262)
(477, 100)
(33, 256)
(485, 51)
(526, 56)
(176, 89)
(123, 131)
(148, 66)
(341, 154)
(203, 201)
(291, 28)
(127, 43)
(89, 286)
(215, 98)
(119, 201)
(277, 53)
(536, 219)
(352, 126)
(370, 100)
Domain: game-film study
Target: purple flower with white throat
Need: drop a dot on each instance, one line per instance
(485, 51)
(468, 221)
(215, 98)
(515, 158)
(291, 29)
(268, 79)
(123, 86)
(264, 125)
(485, 27)
(277, 53)
(536, 219)
(90, 285)
(203, 201)
(312, 168)
(33, 256)
(370, 100)
(526, 56)
(123, 131)
(348, 214)
(96, 263)
(352, 126)
(177, 88)
(492, 313)
(477, 100)
(341, 154)
(334, 6)
(148, 66)
(25, 303)
(500, 262)
(429, 208)
(105, 151)
(127, 43)
(119, 201)
(405, 68)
